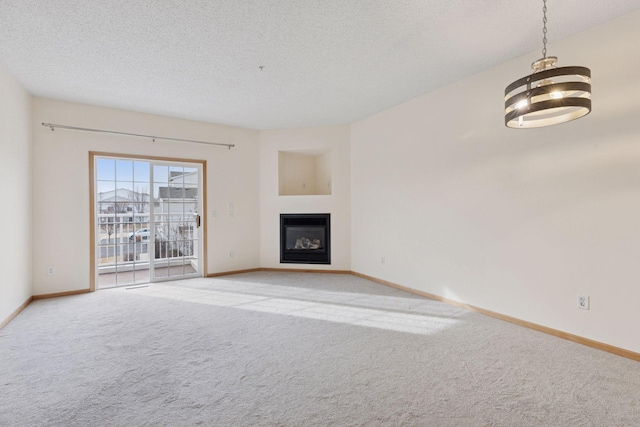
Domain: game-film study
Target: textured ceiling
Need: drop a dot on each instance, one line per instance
(325, 61)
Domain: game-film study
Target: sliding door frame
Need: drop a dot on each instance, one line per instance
(92, 201)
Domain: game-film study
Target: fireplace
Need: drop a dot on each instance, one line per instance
(305, 238)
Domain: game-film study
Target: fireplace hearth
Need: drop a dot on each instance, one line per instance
(305, 238)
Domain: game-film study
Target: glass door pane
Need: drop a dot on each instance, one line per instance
(145, 220)
(175, 212)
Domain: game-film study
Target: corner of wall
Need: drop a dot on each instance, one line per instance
(306, 140)
(15, 162)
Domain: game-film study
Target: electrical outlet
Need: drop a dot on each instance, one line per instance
(51, 271)
(583, 302)
(382, 260)
(230, 254)
(214, 214)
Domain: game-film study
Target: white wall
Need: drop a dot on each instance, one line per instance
(323, 174)
(15, 210)
(514, 221)
(318, 140)
(61, 185)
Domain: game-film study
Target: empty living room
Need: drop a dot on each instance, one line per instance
(319, 213)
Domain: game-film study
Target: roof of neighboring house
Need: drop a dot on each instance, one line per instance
(123, 195)
(176, 174)
(177, 193)
(117, 199)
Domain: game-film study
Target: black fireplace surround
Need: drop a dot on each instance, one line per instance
(305, 238)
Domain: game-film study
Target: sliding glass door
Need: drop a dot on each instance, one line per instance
(176, 221)
(147, 219)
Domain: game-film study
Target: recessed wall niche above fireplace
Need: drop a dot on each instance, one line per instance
(305, 238)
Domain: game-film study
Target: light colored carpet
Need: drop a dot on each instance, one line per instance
(296, 350)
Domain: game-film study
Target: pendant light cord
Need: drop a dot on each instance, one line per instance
(544, 28)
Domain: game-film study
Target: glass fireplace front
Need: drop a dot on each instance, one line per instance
(305, 238)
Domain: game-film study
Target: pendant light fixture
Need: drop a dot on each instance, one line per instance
(550, 95)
